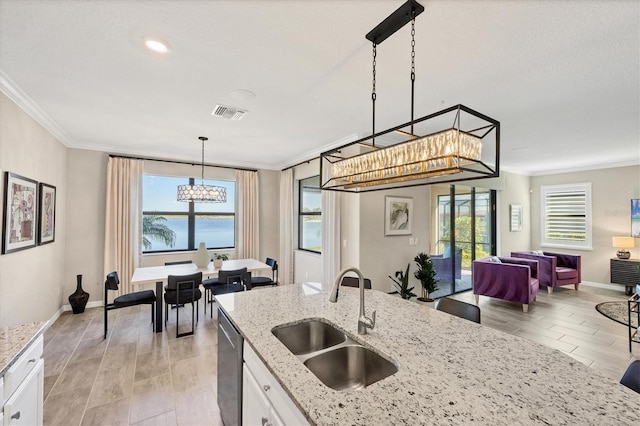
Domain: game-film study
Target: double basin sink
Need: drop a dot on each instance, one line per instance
(336, 359)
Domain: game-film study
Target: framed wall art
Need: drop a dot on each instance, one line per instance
(515, 217)
(398, 215)
(46, 214)
(635, 218)
(20, 213)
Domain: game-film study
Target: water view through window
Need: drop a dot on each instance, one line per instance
(170, 225)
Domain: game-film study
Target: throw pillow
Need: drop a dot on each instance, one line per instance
(538, 252)
(494, 259)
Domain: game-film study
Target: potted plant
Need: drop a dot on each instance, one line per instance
(427, 276)
(402, 283)
(218, 258)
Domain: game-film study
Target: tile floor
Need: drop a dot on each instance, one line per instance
(137, 377)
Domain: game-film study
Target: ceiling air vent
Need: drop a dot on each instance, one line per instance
(230, 113)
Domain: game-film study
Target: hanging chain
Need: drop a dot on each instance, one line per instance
(202, 178)
(373, 98)
(413, 62)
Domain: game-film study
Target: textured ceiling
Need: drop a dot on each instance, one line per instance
(562, 77)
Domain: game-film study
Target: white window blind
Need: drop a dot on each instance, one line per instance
(566, 216)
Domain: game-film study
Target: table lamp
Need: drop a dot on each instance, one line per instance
(623, 243)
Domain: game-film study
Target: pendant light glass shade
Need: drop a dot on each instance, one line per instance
(396, 158)
(202, 193)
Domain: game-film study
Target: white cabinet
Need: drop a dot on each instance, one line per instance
(264, 401)
(24, 407)
(23, 384)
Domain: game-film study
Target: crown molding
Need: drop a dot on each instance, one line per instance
(13, 92)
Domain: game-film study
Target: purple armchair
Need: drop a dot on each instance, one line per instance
(555, 269)
(510, 278)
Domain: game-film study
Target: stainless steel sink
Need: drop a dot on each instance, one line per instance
(309, 336)
(338, 360)
(350, 367)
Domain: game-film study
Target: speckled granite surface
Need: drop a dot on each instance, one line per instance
(451, 371)
(14, 340)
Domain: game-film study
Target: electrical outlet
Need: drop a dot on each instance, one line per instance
(411, 241)
(344, 243)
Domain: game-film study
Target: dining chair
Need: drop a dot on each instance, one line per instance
(459, 309)
(179, 262)
(354, 282)
(264, 281)
(144, 297)
(229, 281)
(631, 377)
(183, 289)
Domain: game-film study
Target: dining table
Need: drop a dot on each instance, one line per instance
(160, 274)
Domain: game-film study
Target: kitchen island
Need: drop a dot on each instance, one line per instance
(450, 371)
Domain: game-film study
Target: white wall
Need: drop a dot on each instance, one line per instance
(31, 281)
(611, 191)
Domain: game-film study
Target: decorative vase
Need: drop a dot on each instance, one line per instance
(79, 299)
(202, 257)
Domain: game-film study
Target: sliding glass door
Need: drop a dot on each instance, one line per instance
(464, 229)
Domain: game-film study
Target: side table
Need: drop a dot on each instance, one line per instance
(625, 271)
(633, 310)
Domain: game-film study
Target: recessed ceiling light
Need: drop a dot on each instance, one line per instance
(243, 94)
(156, 45)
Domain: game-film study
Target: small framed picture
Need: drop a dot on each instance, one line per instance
(398, 215)
(515, 224)
(635, 218)
(20, 213)
(46, 214)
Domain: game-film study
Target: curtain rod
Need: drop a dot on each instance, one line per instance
(182, 162)
(300, 163)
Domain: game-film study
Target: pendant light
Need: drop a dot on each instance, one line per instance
(454, 144)
(202, 193)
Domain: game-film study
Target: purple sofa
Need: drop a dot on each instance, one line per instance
(507, 278)
(555, 269)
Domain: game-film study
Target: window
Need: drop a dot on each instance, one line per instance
(310, 215)
(171, 225)
(566, 216)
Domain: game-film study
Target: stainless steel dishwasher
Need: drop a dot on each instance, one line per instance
(229, 371)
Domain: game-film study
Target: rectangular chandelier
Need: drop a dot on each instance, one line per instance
(438, 150)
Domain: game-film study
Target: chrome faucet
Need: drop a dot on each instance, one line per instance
(363, 321)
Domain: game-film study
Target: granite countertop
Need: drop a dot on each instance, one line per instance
(14, 340)
(451, 371)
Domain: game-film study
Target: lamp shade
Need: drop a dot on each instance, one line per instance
(623, 242)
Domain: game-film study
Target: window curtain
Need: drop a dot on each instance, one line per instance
(123, 222)
(248, 238)
(285, 267)
(330, 260)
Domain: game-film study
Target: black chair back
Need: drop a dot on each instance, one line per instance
(631, 378)
(241, 276)
(184, 282)
(354, 282)
(112, 281)
(459, 309)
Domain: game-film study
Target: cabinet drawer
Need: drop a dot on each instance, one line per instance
(25, 405)
(282, 404)
(21, 368)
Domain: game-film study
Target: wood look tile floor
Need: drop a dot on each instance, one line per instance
(137, 377)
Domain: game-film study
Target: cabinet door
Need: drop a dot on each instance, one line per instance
(256, 409)
(24, 407)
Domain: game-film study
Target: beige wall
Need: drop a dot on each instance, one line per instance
(516, 191)
(32, 280)
(611, 192)
(86, 182)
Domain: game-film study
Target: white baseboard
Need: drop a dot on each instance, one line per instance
(618, 287)
(95, 304)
